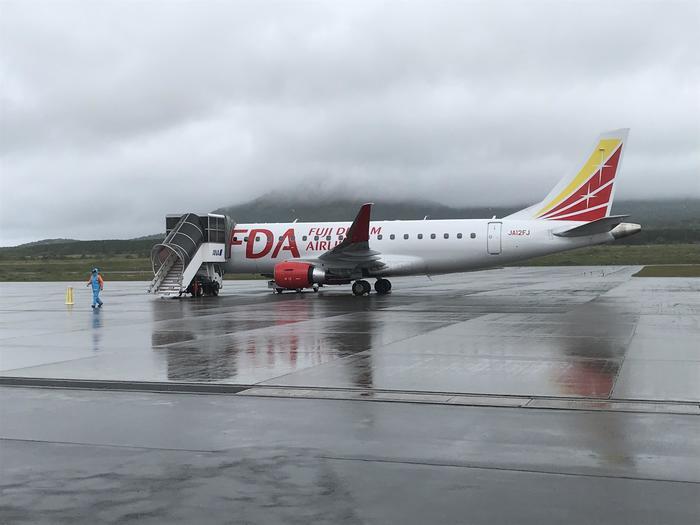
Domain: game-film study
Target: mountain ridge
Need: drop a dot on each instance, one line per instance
(676, 220)
(672, 213)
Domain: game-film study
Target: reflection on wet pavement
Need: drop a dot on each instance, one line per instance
(568, 332)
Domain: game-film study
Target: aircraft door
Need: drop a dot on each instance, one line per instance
(493, 238)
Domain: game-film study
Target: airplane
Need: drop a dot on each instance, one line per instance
(298, 256)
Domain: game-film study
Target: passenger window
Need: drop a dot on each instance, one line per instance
(315, 237)
(328, 237)
(379, 237)
(432, 235)
(473, 236)
(280, 238)
(420, 235)
(235, 239)
(304, 238)
(257, 239)
(459, 235)
(340, 237)
(245, 239)
(405, 236)
(392, 236)
(447, 236)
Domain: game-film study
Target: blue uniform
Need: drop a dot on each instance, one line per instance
(96, 282)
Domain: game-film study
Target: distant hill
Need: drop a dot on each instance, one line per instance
(667, 214)
(664, 222)
(271, 208)
(45, 242)
(106, 248)
(155, 237)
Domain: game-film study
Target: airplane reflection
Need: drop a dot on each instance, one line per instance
(234, 347)
(593, 366)
(593, 362)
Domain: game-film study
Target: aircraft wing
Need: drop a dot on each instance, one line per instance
(354, 252)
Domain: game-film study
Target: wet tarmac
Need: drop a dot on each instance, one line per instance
(528, 395)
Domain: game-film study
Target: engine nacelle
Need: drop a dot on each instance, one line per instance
(294, 275)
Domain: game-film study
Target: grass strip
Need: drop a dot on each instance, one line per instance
(669, 270)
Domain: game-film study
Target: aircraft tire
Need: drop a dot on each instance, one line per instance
(382, 286)
(367, 287)
(360, 288)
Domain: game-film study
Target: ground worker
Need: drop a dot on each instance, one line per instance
(97, 285)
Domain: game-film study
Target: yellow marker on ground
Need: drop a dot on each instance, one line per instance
(69, 295)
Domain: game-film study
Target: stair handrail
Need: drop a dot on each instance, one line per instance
(170, 240)
(162, 272)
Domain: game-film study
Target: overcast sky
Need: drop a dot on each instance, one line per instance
(116, 113)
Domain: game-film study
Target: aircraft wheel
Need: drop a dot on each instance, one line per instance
(361, 287)
(382, 286)
(367, 286)
(315, 288)
(279, 290)
(358, 288)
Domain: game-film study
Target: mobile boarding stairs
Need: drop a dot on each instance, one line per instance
(191, 257)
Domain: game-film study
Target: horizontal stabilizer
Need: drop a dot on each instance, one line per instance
(591, 228)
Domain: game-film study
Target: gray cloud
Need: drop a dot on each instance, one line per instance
(116, 113)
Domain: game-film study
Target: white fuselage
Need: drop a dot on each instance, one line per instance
(407, 247)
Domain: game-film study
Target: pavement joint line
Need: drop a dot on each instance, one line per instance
(317, 393)
(618, 373)
(504, 469)
(111, 445)
(112, 385)
(448, 403)
(182, 387)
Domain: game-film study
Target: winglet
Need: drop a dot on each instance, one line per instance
(354, 249)
(359, 229)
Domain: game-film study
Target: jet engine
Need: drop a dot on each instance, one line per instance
(293, 275)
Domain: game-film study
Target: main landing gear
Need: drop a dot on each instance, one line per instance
(382, 286)
(361, 287)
